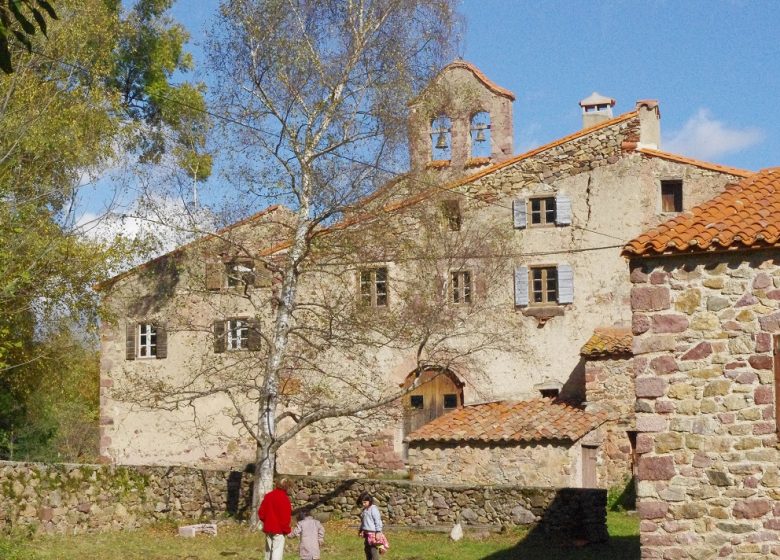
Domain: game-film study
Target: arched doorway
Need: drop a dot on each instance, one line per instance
(440, 391)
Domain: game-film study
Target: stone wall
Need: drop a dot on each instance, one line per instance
(90, 498)
(609, 387)
(709, 480)
(550, 464)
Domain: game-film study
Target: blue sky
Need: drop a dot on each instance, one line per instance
(713, 65)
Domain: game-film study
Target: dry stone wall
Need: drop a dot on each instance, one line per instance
(709, 481)
(549, 464)
(609, 387)
(90, 498)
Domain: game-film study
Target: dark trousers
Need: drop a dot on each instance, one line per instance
(372, 552)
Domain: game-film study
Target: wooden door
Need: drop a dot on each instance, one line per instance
(438, 393)
(589, 467)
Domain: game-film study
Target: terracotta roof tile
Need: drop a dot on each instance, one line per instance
(746, 215)
(518, 422)
(612, 341)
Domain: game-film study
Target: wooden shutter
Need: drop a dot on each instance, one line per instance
(162, 341)
(263, 276)
(219, 336)
(521, 285)
(519, 211)
(562, 210)
(130, 331)
(565, 283)
(215, 275)
(254, 340)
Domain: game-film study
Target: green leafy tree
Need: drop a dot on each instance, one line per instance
(98, 89)
(21, 19)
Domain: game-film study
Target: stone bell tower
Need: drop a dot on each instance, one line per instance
(460, 123)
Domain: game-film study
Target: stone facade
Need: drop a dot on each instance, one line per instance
(705, 326)
(609, 387)
(613, 186)
(545, 464)
(71, 499)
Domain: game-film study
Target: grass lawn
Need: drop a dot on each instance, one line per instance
(342, 543)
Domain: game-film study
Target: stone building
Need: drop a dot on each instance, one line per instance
(706, 324)
(563, 211)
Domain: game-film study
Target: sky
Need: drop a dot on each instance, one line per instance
(713, 65)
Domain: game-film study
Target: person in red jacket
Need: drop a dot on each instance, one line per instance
(275, 512)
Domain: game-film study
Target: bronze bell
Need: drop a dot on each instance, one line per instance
(480, 135)
(441, 142)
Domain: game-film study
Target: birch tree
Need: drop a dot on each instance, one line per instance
(321, 87)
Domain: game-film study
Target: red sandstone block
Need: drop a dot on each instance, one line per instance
(664, 364)
(671, 323)
(650, 298)
(658, 277)
(644, 443)
(701, 350)
(760, 361)
(751, 509)
(763, 342)
(656, 468)
(652, 510)
(650, 387)
(763, 395)
(763, 428)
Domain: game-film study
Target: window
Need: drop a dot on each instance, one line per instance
(544, 285)
(671, 196)
(417, 402)
(237, 334)
(542, 211)
(373, 287)
(146, 341)
(240, 273)
(451, 401)
(480, 135)
(451, 211)
(461, 286)
(441, 138)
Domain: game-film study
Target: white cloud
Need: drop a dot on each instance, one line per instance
(705, 137)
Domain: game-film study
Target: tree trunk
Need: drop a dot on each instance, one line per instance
(265, 462)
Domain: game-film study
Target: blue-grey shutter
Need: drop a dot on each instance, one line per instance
(521, 285)
(562, 210)
(519, 213)
(565, 283)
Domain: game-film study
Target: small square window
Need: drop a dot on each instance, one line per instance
(373, 287)
(417, 402)
(451, 212)
(461, 287)
(237, 334)
(147, 341)
(672, 196)
(542, 211)
(451, 401)
(543, 287)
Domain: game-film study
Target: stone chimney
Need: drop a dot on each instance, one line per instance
(649, 124)
(596, 108)
(460, 123)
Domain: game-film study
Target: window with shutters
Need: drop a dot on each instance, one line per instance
(539, 211)
(461, 287)
(373, 287)
(544, 285)
(240, 273)
(146, 341)
(237, 333)
(542, 211)
(672, 196)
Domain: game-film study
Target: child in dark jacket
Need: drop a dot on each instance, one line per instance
(312, 535)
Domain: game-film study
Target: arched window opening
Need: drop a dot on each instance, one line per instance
(441, 138)
(480, 135)
(439, 392)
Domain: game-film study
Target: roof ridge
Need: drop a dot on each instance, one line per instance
(693, 161)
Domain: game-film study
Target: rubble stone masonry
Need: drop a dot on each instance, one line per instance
(704, 325)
